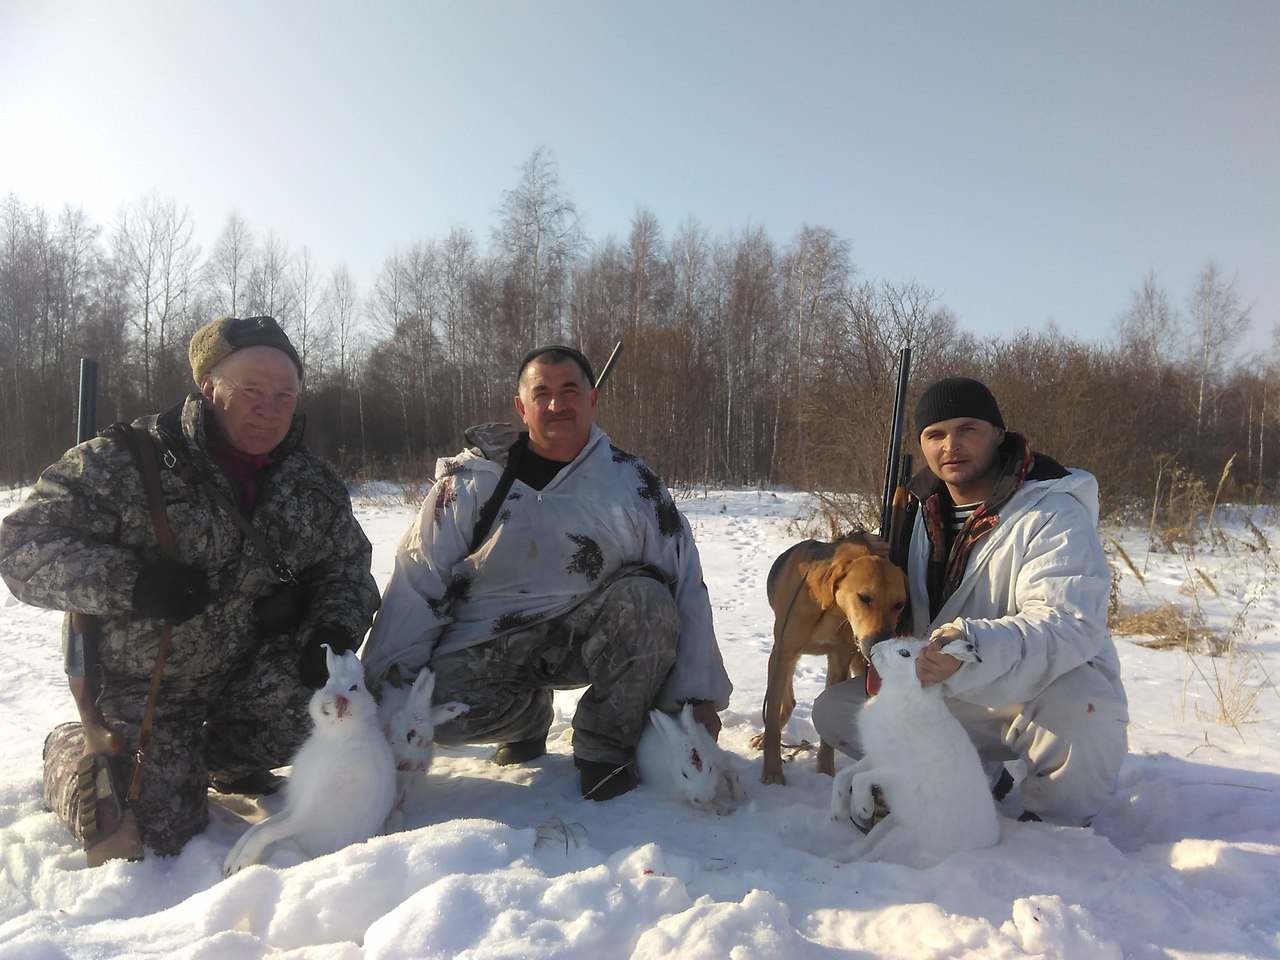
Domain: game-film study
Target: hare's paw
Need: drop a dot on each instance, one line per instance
(731, 786)
(448, 711)
(237, 860)
(862, 796)
(841, 806)
(729, 793)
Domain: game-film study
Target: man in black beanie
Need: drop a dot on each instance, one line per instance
(1003, 550)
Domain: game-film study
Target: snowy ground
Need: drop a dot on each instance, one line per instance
(511, 863)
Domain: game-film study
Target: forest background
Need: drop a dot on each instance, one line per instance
(749, 359)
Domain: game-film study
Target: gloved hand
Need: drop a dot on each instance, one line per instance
(169, 590)
(313, 668)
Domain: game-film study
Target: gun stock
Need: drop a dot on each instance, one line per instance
(898, 514)
(108, 825)
(81, 640)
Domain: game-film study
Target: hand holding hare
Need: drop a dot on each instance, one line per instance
(919, 755)
(683, 760)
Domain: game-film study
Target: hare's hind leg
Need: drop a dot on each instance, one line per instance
(249, 848)
(884, 843)
(404, 785)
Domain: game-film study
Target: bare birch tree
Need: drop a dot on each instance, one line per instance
(1218, 322)
(538, 236)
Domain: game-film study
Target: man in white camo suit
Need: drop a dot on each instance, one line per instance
(588, 577)
(246, 649)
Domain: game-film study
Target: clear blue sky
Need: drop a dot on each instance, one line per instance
(1028, 161)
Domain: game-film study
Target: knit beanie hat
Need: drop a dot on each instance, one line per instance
(956, 397)
(568, 352)
(220, 338)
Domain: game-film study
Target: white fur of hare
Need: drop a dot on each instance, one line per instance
(683, 760)
(922, 760)
(409, 722)
(343, 780)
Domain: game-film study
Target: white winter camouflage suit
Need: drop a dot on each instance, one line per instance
(231, 701)
(563, 568)
(1033, 600)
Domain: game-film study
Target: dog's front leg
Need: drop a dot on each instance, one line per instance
(776, 694)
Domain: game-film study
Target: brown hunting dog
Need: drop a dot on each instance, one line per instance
(835, 598)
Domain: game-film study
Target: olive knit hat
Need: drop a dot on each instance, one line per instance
(220, 338)
(957, 397)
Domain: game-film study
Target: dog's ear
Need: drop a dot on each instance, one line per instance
(824, 579)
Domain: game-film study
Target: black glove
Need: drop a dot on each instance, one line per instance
(313, 668)
(169, 590)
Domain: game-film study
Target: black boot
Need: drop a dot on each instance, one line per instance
(259, 783)
(602, 780)
(520, 751)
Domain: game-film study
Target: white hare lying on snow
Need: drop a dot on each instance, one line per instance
(683, 760)
(920, 757)
(343, 780)
(409, 722)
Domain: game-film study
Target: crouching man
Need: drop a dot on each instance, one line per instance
(550, 559)
(248, 507)
(1004, 550)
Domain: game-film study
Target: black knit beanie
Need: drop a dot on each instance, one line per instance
(956, 397)
(558, 353)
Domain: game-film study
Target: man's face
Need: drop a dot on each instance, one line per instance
(558, 406)
(252, 395)
(962, 454)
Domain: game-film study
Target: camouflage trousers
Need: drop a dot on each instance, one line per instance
(255, 721)
(619, 642)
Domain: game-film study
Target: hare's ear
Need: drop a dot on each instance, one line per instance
(347, 668)
(668, 728)
(332, 660)
(690, 726)
(424, 686)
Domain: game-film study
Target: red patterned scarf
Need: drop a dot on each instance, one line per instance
(946, 567)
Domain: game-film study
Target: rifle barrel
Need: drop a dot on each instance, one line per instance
(895, 440)
(608, 365)
(87, 409)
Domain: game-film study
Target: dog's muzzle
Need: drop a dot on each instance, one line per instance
(865, 644)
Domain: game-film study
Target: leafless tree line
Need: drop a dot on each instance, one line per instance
(746, 361)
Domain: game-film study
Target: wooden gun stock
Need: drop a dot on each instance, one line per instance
(82, 664)
(107, 824)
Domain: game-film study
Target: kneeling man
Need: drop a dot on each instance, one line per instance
(1004, 550)
(550, 559)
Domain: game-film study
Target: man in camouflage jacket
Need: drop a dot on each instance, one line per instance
(246, 649)
(589, 577)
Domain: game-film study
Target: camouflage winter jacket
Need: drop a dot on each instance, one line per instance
(604, 512)
(80, 539)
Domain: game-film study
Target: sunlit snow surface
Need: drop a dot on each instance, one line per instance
(510, 862)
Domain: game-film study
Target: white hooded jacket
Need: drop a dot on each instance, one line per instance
(603, 513)
(1033, 598)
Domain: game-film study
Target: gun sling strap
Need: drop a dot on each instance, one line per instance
(145, 454)
(489, 512)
